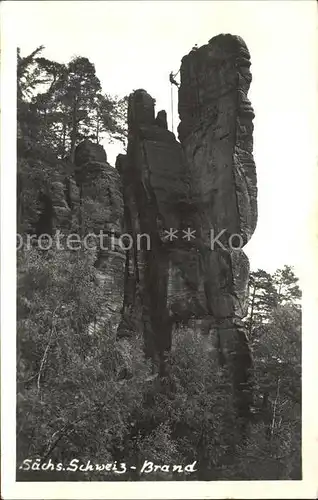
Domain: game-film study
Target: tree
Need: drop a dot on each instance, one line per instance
(72, 398)
(263, 298)
(109, 117)
(81, 87)
(65, 104)
(286, 284)
(29, 74)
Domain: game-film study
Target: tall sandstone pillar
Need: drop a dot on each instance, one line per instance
(203, 186)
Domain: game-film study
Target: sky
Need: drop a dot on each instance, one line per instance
(136, 44)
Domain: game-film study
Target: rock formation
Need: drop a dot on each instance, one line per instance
(204, 189)
(100, 212)
(187, 205)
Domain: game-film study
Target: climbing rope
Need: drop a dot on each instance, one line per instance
(172, 107)
(172, 80)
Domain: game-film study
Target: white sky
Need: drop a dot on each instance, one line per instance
(136, 44)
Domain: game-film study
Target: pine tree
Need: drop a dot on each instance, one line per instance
(263, 298)
(286, 284)
(29, 74)
(63, 104)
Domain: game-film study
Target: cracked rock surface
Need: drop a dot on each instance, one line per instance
(204, 183)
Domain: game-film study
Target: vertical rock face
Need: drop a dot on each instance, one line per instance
(100, 212)
(216, 132)
(204, 189)
(152, 175)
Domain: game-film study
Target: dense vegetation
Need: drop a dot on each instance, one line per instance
(73, 400)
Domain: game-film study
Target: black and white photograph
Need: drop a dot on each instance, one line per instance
(158, 162)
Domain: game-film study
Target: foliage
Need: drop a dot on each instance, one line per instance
(275, 443)
(71, 403)
(286, 284)
(267, 292)
(263, 297)
(63, 103)
(274, 323)
(74, 402)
